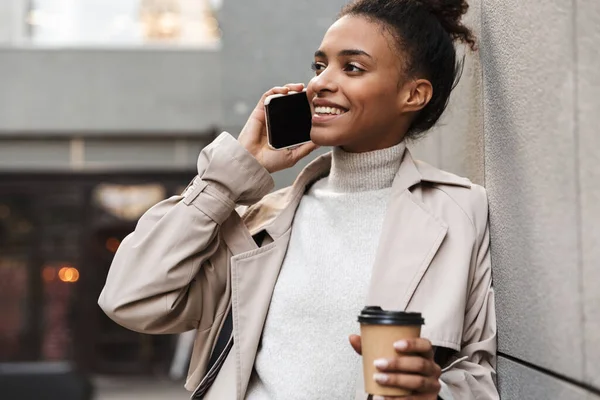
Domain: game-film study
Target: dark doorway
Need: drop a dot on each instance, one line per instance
(58, 234)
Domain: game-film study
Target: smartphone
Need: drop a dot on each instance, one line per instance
(289, 119)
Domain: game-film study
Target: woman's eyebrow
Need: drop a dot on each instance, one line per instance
(354, 52)
(344, 53)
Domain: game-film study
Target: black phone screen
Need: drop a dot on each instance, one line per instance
(289, 120)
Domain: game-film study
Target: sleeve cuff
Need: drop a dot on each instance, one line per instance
(226, 165)
(228, 175)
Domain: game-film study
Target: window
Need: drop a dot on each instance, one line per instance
(122, 22)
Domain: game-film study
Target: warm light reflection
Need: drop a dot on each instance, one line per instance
(68, 274)
(112, 244)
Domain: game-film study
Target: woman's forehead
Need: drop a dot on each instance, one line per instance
(356, 33)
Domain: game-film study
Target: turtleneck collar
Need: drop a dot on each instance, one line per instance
(361, 172)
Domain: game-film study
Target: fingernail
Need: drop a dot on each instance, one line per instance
(381, 363)
(378, 398)
(381, 378)
(401, 345)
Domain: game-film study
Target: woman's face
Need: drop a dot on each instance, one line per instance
(357, 93)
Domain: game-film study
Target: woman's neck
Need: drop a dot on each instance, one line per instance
(359, 172)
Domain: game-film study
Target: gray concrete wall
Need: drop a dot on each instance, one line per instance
(532, 178)
(522, 383)
(588, 169)
(522, 121)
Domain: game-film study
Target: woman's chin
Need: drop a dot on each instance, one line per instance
(323, 138)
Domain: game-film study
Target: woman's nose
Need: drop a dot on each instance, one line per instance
(324, 82)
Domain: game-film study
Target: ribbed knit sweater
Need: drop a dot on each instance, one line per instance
(304, 352)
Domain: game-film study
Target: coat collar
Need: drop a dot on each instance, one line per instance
(275, 212)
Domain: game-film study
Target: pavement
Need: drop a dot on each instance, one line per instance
(113, 388)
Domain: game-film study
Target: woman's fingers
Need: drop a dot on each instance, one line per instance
(356, 343)
(295, 87)
(290, 87)
(417, 383)
(293, 155)
(411, 346)
(302, 151)
(413, 370)
(275, 90)
(409, 364)
(272, 91)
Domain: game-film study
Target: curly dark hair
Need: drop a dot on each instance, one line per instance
(425, 32)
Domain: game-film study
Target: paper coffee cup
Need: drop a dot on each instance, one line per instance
(379, 330)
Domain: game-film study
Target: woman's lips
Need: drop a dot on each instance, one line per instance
(323, 118)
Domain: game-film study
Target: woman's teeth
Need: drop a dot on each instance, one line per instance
(329, 110)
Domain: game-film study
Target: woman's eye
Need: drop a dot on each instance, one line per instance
(353, 68)
(317, 67)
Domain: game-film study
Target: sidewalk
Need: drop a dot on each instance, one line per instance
(111, 388)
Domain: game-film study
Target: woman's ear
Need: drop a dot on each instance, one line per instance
(415, 95)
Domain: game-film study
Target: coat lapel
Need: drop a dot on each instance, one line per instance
(410, 238)
(253, 276)
(254, 272)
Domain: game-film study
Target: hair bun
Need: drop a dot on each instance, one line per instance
(449, 13)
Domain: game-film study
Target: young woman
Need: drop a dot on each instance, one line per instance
(363, 225)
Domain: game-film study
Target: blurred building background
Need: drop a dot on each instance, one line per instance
(104, 106)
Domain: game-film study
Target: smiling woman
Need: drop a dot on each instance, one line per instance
(274, 288)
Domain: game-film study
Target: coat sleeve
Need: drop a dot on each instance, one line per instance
(472, 374)
(161, 279)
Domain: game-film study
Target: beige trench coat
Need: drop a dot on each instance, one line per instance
(191, 257)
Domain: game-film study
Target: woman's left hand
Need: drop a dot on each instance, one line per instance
(413, 369)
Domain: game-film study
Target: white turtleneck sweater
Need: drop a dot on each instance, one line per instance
(304, 352)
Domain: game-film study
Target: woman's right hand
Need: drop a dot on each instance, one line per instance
(254, 136)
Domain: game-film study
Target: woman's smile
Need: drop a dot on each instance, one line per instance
(326, 117)
(326, 111)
